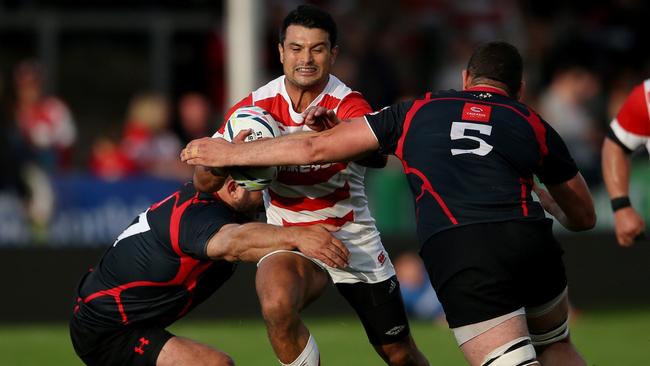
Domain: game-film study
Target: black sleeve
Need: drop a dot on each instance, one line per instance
(387, 125)
(199, 222)
(557, 166)
(612, 136)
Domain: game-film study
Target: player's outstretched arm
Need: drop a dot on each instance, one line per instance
(628, 222)
(570, 203)
(347, 141)
(250, 242)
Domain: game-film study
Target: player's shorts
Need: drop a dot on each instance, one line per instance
(128, 345)
(380, 309)
(367, 264)
(378, 305)
(485, 271)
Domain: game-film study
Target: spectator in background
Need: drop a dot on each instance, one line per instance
(148, 142)
(629, 131)
(46, 135)
(564, 104)
(108, 161)
(45, 122)
(194, 115)
(419, 297)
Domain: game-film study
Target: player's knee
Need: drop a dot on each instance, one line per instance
(518, 352)
(277, 306)
(560, 333)
(222, 360)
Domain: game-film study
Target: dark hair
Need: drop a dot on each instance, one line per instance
(497, 61)
(310, 16)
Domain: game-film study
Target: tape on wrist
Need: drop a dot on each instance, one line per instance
(620, 202)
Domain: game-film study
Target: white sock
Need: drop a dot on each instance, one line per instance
(308, 357)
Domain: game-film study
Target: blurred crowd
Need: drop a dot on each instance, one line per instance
(581, 60)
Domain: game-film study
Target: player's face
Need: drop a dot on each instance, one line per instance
(307, 56)
(248, 202)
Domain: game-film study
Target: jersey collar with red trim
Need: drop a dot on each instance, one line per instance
(487, 89)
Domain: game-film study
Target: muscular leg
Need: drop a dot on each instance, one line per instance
(477, 349)
(380, 308)
(402, 353)
(180, 351)
(286, 283)
(561, 352)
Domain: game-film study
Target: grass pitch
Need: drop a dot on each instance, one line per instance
(616, 338)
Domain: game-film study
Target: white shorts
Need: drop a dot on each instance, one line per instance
(349, 274)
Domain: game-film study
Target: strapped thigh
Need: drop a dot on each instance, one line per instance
(519, 352)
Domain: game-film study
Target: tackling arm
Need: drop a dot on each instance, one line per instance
(570, 203)
(250, 242)
(347, 141)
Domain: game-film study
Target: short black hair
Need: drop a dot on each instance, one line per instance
(498, 61)
(310, 16)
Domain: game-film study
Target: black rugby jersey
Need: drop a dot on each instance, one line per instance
(157, 270)
(470, 156)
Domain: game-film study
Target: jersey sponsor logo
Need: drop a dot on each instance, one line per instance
(307, 175)
(396, 330)
(476, 112)
(381, 258)
(140, 349)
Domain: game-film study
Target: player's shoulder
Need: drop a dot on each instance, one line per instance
(634, 115)
(268, 90)
(336, 88)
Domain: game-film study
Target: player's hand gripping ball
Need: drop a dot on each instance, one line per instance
(262, 125)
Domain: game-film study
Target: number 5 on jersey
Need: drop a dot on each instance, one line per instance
(458, 130)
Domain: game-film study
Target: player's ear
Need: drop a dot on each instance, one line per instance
(465, 76)
(335, 52)
(281, 51)
(232, 188)
(522, 91)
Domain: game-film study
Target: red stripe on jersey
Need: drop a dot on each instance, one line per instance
(188, 273)
(426, 185)
(310, 204)
(353, 105)
(279, 110)
(175, 222)
(524, 191)
(329, 101)
(407, 122)
(633, 116)
(533, 120)
(311, 175)
(336, 221)
(487, 89)
(190, 283)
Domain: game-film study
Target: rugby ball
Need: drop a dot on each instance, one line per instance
(262, 125)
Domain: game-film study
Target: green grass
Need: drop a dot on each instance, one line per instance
(616, 338)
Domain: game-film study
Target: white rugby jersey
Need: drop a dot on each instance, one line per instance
(632, 123)
(329, 193)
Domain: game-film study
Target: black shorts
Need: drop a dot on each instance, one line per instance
(128, 345)
(380, 309)
(482, 271)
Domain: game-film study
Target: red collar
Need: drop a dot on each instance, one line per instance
(488, 89)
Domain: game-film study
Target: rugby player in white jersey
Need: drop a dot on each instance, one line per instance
(288, 281)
